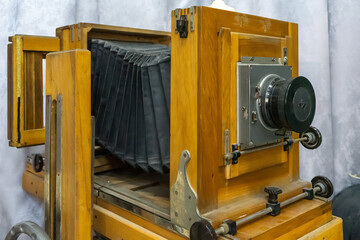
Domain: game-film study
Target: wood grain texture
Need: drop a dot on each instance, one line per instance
(135, 219)
(115, 227)
(330, 231)
(291, 217)
(77, 35)
(203, 104)
(33, 184)
(68, 74)
(25, 90)
(184, 115)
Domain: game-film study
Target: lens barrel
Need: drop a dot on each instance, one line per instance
(288, 104)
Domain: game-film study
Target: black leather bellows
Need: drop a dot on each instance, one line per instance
(130, 99)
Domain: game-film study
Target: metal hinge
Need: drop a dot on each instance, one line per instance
(192, 16)
(182, 26)
(182, 22)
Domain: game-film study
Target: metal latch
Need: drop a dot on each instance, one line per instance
(182, 26)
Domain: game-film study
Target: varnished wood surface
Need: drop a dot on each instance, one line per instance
(77, 35)
(106, 162)
(291, 217)
(203, 104)
(68, 74)
(202, 107)
(295, 225)
(25, 90)
(33, 184)
(29, 168)
(138, 220)
(245, 205)
(151, 189)
(330, 231)
(114, 226)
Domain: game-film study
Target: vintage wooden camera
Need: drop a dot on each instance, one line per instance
(213, 155)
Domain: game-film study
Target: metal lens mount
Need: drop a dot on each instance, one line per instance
(286, 104)
(266, 88)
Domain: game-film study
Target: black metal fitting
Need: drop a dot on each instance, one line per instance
(38, 162)
(314, 138)
(232, 226)
(182, 25)
(202, 230)
(275, 208)
(273, 193)
(325, 185)
(310, 192)
(273, 199)
(236, 154)
(234, 148)
(290, 142)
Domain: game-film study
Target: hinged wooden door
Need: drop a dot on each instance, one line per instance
(25, 88)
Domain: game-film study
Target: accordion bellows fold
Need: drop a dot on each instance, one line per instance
(130, 99)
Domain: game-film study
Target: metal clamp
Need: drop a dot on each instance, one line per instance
(183, 199)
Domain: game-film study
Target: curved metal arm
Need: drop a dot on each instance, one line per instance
(29, 228)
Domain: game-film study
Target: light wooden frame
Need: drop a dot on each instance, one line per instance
(25, 88)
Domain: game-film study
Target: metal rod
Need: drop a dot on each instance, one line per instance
(223, 229)
(229, 156)
(286, 142)
(254, 216)
(220, 231)
(293, 199)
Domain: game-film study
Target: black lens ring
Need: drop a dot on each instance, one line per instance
(292, 121)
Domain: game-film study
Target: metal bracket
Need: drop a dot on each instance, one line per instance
(47, 169)
(192, 17)
(183, 199)
(58, 166)
(79, 32)
(260, 60)
(72, 33)
(177, 17)
(227, 145)
(285, 60)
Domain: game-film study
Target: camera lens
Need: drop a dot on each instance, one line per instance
(288, 104)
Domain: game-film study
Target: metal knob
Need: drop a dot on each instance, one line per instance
(273, 194)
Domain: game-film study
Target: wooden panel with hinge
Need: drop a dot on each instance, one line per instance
(25, 88)
(68, 76)
(203, 105)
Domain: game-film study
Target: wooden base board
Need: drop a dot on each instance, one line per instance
(333, 230)
(296, 220)
(114, 226)
(293, 222)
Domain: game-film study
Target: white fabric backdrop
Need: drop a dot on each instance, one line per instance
(329, 50)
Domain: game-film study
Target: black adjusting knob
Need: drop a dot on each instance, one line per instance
(273, 194)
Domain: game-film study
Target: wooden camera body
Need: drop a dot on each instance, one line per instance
(215, 175)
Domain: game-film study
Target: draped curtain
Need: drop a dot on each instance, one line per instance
(329, 53)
